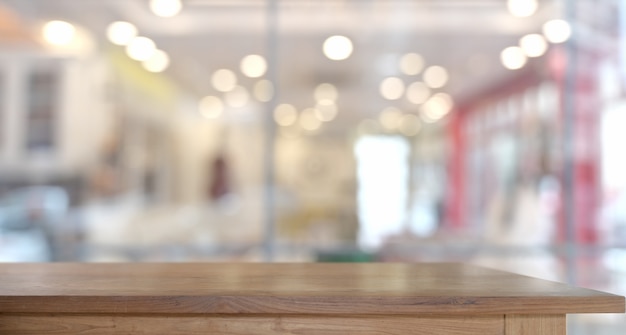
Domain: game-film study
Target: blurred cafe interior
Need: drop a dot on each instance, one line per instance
(479, 131)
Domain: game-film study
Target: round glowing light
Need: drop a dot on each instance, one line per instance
(158, 62)
(237, 97)
(141, 48)
(417, 93)
(435, 76)
(390, 118)
(513, 58)
(411, 64)
(224, 80)
(285, 115)
(166, 8)
(392, 88)
(211, 107)
(121, 33)
(522, 8)
(533, 45)
(337, 47)
(308, 120)
(253, 66)
(326, 110)
(438, 106)
(325, 91)
(59, 32)
(557, 31)
(263, 90)
(410, 125)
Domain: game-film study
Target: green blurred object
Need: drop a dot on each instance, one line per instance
(345, 256)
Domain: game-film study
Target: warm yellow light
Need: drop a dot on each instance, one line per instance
(390, 118)
(59, 32)
(513, 58)
(533, 45)
(308, 120)
(285, 115)
(411, 64)
(158, 62)
(417, 92)
(141, 48)
(166, 8)
(224, 80)
(263, 90)
(438, 106)
(392, 88)
(410, 125)
(253, 66)
(326, 110)
(325, 91)
(237, 97)
(211, 107)
(121, 33)
(557, 31)
(522, 8)
(337, 47)
(435, 76)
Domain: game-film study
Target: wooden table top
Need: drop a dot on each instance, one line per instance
(279, 288)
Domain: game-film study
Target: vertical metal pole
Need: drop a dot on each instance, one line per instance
(569, 124)
(270, 132)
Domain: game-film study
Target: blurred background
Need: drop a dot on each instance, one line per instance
(480, 131)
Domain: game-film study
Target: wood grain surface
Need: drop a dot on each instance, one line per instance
(239, 325)
(329, 289)
(535, 324)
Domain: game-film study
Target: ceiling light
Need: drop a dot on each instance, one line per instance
(237, 97)
(411, 64)
(158, 62)
(522, 8)
(435, 76)
(263, 90)
(438, 106)
(557, 31)
(121, 33)
(285, 115)
(417, 92)
(337, 47)
(59, 32)
(140, 48)
(325, 91)
(224, 80)
(253, 66)
(533, 45)
(166, 8)
(391, 88)
(211, 107)
(513, 58)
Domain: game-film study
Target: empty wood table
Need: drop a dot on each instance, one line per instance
(337, 298)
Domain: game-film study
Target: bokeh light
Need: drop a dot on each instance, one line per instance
(121, 32)
(417, 92)
(253, 66)
(158, 62)
(141, 48)
(411, 64)
(325, 91)
(59, 32)
(513, 58)
(435, 76)
(522, 8)
(326, 110)
(337, 47)
(533, 45)
(285, 115)
(392, 88)
(308, 120)
(557, 31)
(166, 8)
(224, 80)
